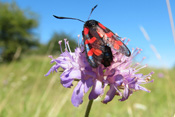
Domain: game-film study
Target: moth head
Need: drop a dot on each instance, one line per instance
(91, 23)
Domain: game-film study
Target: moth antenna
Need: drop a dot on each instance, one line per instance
(92, 11)
(68, 18)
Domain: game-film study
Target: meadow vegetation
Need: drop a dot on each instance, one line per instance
(26, 92)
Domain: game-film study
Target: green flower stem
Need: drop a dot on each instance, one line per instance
(88, 109)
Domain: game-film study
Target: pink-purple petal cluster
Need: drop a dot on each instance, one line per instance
(121, 77)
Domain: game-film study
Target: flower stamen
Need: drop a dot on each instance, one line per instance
(127, 42)
(67, 43)
(78, 41)
(59, 42)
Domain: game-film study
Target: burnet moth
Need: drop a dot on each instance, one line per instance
(98, 41)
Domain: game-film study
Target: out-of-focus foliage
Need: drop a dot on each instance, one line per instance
(56, 37)
(16, 31)
(53, 47)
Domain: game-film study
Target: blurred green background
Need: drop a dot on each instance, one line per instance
(25, 92)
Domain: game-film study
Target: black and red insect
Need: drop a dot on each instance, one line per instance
(98, 41)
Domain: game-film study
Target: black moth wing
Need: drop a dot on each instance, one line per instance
(106, 56)
(112, 40)
(96, 49)
(90, 48)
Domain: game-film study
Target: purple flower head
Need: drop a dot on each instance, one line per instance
(76, 68)
(121, 76)
(124, 80)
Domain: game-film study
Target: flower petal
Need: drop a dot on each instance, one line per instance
(88, 84)
(110, 94)
(138, 87)
(96, 90)
(126, 96)
(68, 76)
(52, 69)
(78, 93)
(67, 83)
(126, 92)
(118, 79)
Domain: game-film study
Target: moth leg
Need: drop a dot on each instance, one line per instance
(83, 51)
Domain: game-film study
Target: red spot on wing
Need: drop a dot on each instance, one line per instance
(86, 41)
(92, 40)
(92, 51)
(110, 34)
(117, 44)
(86, 30)
(97, 52)
(101, 25)
(100, 34)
